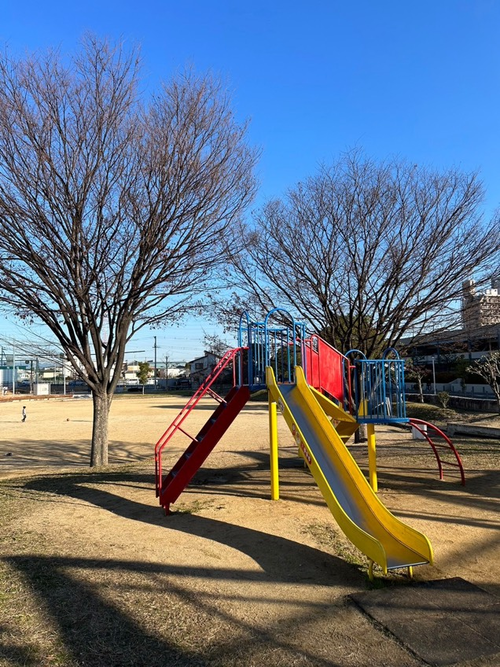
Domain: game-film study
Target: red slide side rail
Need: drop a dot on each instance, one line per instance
(175, 426)
(424, 427)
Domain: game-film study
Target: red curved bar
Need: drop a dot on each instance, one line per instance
(419, 424)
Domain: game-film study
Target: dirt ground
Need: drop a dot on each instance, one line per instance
(94, 573)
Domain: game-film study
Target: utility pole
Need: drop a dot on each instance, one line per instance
(166, 372)
(64, 373)
(13, 371)
(155, 346)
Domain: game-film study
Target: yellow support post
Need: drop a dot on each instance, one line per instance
(273, 439)
(372, 456)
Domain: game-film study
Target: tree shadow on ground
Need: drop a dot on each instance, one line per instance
(96, 630)
(303, 563)
(29, 455)
(84, 598)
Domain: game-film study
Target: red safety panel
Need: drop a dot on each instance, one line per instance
(325, 371)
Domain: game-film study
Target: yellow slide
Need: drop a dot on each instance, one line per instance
(364, 519)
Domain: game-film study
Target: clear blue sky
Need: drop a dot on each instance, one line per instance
(417, 79)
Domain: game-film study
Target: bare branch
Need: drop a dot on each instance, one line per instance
(366, 253)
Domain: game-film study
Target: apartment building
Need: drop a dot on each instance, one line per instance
(480, 309)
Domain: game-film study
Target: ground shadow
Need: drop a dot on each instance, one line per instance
(253, 479)
(304, 564)
(26, 456)
(97, 629)
(94, 631)
(480, 493)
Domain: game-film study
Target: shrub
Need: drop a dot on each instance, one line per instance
(443, 398)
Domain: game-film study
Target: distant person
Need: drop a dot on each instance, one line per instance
(23, 414)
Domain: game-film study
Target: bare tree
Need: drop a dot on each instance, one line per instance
(366, 253)
(417, 373)
(215, 344)
(488, 367)
(113, 211)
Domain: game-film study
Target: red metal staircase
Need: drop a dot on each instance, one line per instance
(169, 488)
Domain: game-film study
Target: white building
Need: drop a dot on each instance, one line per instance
(201, 367)
(480, 309)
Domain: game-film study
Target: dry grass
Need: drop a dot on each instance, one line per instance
(92, 572)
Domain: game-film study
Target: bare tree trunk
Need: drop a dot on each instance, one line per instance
(360, 434)
(99, 449)
(420, 390)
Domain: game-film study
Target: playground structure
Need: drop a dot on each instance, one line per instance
(323, 396)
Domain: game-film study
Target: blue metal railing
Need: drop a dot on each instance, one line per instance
(280, 346)
(380, 388)
(374, 389)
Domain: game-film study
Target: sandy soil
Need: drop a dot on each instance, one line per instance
(231, 578)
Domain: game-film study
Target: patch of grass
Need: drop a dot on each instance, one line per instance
(431, 413)
(334, 541)
(10, 507)
(329, 539)
(259, 395)
(195, 507)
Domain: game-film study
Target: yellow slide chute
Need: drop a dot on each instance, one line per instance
(364, 519)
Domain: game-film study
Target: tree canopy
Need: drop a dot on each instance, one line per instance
(114, 207)
(367, 252)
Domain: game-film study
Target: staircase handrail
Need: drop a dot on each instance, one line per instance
(190, 405)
